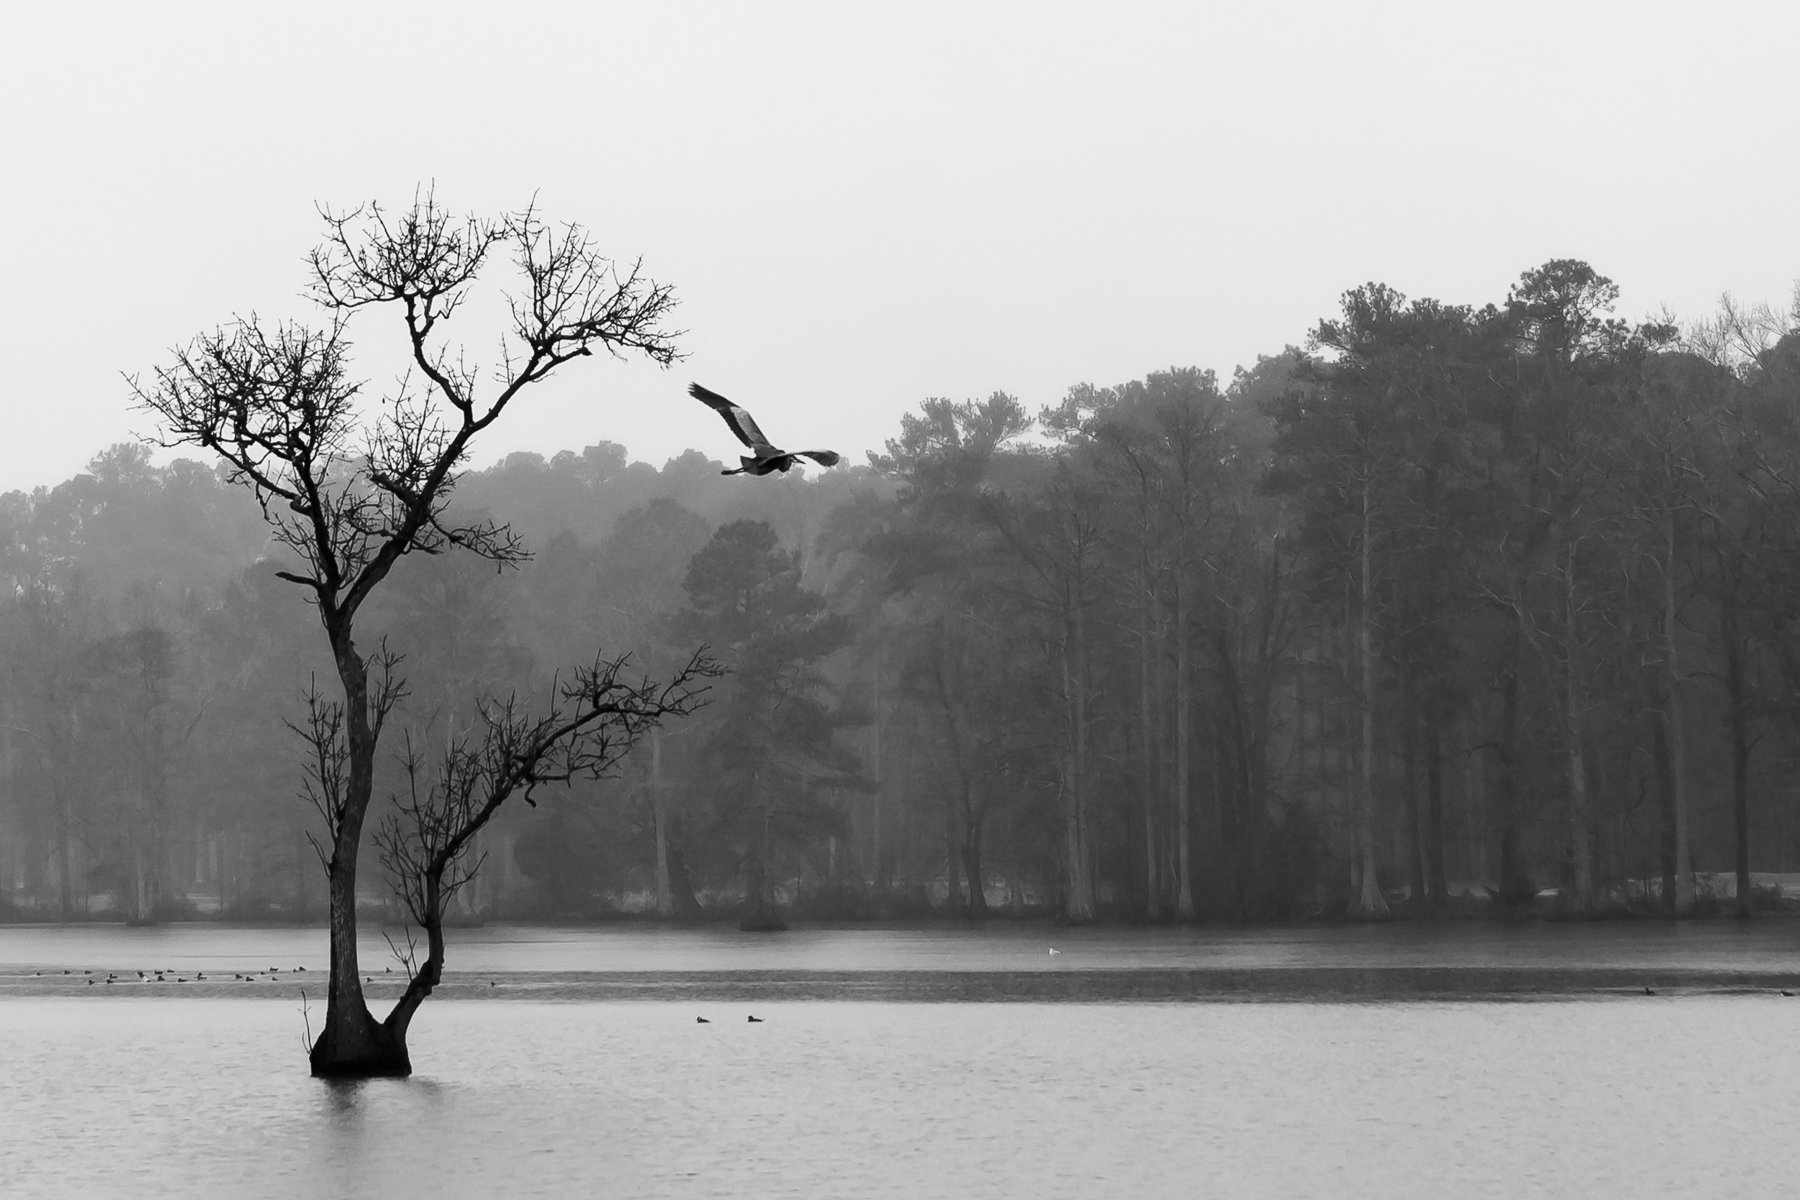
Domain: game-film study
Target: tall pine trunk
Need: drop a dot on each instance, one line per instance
(1184, 754)
(971, 858)
(1147, 743)
(1369, 901)
(1580, 840)
(1078, 893)
(1678, 794)
(659, 814)
(1739, 720)
(1437, 887)
(1516, 888)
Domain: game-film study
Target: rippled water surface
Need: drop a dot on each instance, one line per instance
(142, 1089)
(185, 1097)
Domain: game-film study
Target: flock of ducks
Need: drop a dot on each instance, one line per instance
(168, 975)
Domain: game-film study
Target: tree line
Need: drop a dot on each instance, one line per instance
(1451, 608)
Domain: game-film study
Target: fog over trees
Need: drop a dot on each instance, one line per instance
(1449, 608)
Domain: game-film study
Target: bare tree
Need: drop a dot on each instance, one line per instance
(594, 719)
(349, 496)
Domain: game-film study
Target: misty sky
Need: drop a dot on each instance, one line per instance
(862, 205)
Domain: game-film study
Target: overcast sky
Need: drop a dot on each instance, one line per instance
(862, 205)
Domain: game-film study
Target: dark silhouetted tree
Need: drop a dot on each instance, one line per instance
(346, 498)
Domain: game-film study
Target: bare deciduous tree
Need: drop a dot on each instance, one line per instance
(349, 495)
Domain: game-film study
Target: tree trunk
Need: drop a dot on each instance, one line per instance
(1369, 902)
(971, 856)
(760, 916)
(957, 810)
(953, 892)
(1437, 885)
(1147, 747)
(1241, 795)
(1078, 894)
(65, 852)
(1415, 820)
(1684, 867)
(1516, 888)
(1581, 851)
(352, 1044)
(1739, 719)
(1184, 721)
(875, 766)
(681, 884)
(659, 815)
(138, 912)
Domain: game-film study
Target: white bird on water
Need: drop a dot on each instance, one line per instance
(1054, 950)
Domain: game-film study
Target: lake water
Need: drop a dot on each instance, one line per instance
(541, 1076)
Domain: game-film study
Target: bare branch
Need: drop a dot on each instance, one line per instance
(592, 722)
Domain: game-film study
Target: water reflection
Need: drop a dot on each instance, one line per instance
(344, 1098)
(361, 1125)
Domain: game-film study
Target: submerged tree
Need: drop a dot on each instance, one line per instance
(348, 497)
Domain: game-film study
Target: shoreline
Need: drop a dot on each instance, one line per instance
(1108, 985)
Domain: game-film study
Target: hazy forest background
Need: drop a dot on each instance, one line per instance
(1456, 609)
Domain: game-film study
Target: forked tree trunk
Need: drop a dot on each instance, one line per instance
(353, 1044)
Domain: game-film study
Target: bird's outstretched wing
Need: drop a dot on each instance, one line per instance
(741, 422)
(825, 458)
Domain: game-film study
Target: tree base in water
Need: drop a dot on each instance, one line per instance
(359, 1049)
(363, 1069)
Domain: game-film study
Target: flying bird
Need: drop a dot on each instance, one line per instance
(764, 455)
